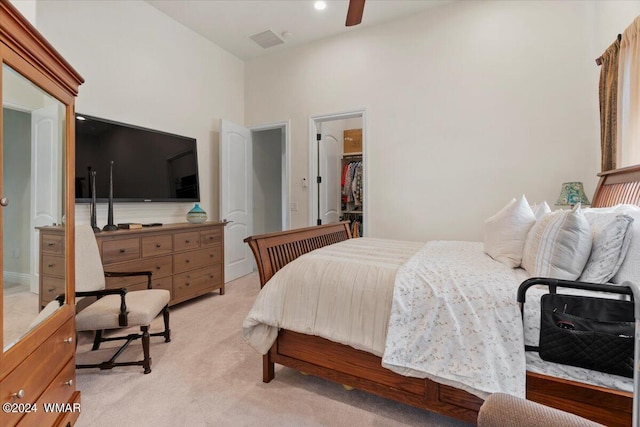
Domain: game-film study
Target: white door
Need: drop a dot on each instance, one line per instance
(46, 183)
(330, 152)
(236, 175)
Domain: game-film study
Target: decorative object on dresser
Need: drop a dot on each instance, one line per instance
(110, 225)
(197, 215)
(38, 366)
(186, 259)
(115, 308)
(94, 225)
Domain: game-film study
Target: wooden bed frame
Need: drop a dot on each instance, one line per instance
(361, 370)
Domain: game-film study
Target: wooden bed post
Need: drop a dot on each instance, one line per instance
(268, 372)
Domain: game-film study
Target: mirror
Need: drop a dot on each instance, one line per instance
(33, 153)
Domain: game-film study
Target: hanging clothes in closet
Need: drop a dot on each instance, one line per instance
(352, 188)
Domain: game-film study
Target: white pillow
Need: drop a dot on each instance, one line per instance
(506, 231)
(611, 239)
(630, 268)
(540, 209)
(558, 245)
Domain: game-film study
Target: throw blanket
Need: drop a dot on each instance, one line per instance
(455, 320)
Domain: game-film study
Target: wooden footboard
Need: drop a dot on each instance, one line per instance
(275, 250)
(361, 370)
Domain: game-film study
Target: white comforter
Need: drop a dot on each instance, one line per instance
(455, 320)
(340, 292)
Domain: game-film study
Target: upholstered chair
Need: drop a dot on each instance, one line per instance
(115, 308)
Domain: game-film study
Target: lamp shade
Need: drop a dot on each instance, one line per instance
(572, 193)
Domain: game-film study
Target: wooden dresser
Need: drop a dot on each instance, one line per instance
(186, 259)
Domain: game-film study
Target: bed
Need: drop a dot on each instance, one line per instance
(363, 370)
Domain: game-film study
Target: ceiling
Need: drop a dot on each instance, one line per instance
(230, 23)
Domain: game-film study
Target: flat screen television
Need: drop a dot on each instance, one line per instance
(148, 165)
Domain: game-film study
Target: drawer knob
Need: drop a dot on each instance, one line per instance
(19, 394)
(187, 284)
(158, 267)
(51, 289)
(50, 244)
(187, 261)
(122, 251)
(158, 245)
(51, 265)
(187, 241)
(68, 340)
(68, 383)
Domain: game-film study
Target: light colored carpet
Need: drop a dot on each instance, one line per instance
(208, 376)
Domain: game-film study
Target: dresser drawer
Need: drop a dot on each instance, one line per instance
(196, 259)
(196, 282)
(211, 237)
(51, 288)
(49, 357)
(53, 244)
(186, 241)
(157, 245)
(120, 250)
(160, 267)
(60, 391)
(53, 265)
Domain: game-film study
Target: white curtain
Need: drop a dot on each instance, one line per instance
(629, 96)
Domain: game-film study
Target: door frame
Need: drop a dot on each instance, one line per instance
(313, 160)
(286, 163)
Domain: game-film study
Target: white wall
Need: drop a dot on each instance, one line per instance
(144, 68)
(468, 105)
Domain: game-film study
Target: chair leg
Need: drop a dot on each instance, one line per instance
(96, 340)
(167, 331)
(146, 363)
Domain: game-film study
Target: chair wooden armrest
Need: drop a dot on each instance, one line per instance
(122, 317)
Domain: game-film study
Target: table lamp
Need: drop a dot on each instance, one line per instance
(571, 194)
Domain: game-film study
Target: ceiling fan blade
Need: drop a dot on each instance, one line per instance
(354, 14)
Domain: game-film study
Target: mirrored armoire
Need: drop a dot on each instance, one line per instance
(37, 361)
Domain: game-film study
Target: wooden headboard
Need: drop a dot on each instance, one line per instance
(275, 250)
(618, 186)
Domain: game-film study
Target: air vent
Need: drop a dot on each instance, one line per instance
(267, 39)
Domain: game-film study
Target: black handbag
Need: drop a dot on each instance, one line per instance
(589, 332)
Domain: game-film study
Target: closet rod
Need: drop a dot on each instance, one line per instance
(599, 59)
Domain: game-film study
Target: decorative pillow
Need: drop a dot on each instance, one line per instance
(611, 239)
(506, 231)
(630, 268)
(540, 210)
(558, 245)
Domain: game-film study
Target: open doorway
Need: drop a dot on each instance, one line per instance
(337, 173)
(270, 178)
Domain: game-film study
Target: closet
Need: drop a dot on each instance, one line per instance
(352, 182)
(37, 361)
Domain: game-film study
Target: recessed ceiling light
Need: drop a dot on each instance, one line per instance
(320, 5)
